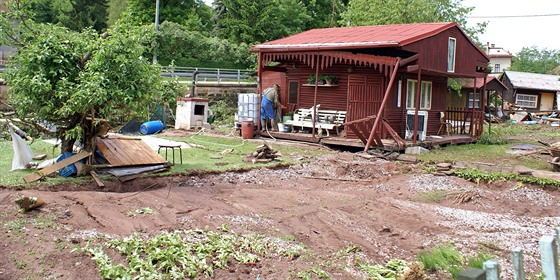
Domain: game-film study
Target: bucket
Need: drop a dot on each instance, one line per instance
(286, 118)
(247, 129)
(151, 127)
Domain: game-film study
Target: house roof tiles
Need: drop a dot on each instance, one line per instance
(394, 35)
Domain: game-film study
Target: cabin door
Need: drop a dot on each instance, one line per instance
(365, 94)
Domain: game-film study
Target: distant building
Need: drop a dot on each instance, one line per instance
(500, 59)
(531, 92)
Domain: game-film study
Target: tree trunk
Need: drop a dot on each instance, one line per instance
(67, 145)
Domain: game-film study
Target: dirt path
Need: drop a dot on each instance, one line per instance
(384, 207)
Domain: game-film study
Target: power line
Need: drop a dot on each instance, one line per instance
(518, 16)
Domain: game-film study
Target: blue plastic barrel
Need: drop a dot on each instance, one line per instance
(151, 127)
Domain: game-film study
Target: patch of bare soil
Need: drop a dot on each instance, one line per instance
(333, 202)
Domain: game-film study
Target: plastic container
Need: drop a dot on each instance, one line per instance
(247, 129)
(247, 107)
(69, 170)
(151, 127)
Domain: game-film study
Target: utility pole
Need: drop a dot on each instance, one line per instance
(157, 27)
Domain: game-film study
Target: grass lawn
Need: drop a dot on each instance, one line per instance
(197, 158)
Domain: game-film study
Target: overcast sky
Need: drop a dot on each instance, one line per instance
(514, 33)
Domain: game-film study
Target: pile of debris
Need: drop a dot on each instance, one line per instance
(263, 153)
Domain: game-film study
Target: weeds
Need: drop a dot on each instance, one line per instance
(478, 260)
(443, 257)
(476, 176)
(182, 254)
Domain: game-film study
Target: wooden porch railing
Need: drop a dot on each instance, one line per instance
(362, 128)
(465, 121)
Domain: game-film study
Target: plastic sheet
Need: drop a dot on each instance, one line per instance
(22, 152)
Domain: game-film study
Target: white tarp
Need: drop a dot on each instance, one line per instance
(22, 152)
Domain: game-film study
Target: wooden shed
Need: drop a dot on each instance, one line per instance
(391, 80)
(536, 93)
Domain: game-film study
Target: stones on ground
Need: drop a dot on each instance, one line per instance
(416, 150)
(444, 169)
(407, 158)
(444, 165)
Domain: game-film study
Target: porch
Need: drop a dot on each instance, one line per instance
(388, 144)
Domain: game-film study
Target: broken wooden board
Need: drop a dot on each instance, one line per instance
(127, 152)
(96, 179)
(130, 173)
(52, 168)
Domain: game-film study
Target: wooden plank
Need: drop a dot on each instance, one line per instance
(52, 168)
(109, 156)
(126, 152)
(96, 179)
(119, 155)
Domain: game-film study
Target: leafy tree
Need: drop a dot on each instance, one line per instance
(535, 60)
(74, 14)
(183, 47)
(248, 21)
(115, 10)
(324, 13)
(192, 13)
(379, 12)
(63, 76)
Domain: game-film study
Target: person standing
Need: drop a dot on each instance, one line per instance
(269, 105)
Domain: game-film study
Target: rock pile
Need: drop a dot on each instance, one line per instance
(444, 169)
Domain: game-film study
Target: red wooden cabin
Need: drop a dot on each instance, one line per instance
(399, 72)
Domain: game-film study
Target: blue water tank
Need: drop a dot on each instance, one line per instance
(151, 127)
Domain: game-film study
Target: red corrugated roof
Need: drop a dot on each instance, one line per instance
(394, 35)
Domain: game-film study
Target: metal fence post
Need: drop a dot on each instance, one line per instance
(517, 262)
(549, 257)
(492, 269)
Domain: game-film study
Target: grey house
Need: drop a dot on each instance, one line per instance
(531, 92)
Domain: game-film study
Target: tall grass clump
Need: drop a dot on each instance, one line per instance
(442, 257)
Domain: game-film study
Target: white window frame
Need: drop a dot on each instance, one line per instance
(526, 100)
(451, 54)
(425, 95)
(476, 100)
(497, 68)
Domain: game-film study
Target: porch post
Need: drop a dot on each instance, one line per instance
(483, 93)
(417, 105)
(315, 96)
(259, 93)
(383, 104)
(472, 132)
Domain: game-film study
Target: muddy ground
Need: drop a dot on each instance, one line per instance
(330, 203)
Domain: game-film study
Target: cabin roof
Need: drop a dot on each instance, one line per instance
(359, 36)
(468, 83)
(533, 81)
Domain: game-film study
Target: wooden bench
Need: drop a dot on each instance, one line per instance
(325, 120)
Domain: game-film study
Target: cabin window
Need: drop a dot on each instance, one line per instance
(474, 97)
(425, 95)
(526, 100)
(497, 68)
(293, 92)
(451, 46)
